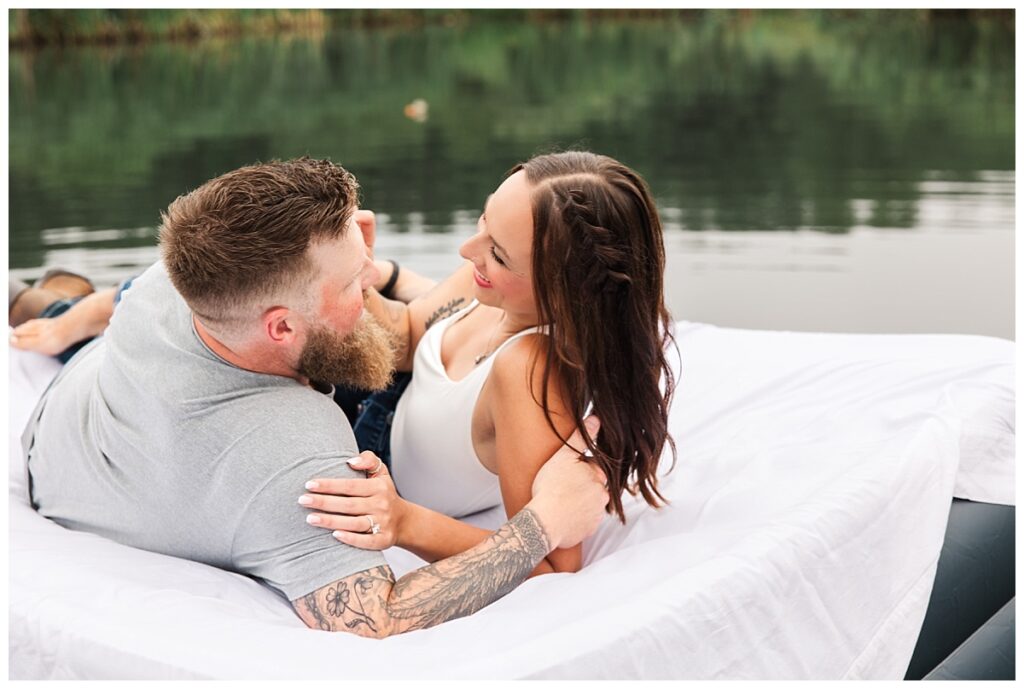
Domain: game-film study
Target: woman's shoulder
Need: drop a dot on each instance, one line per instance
(517, 357)
(518, 370)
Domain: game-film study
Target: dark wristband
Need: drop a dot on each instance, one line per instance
(385, 291)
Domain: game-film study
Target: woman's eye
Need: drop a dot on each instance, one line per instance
(495, 256)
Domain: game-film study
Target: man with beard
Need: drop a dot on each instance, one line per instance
(192, 425)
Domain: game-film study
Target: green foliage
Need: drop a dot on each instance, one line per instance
(73, 26)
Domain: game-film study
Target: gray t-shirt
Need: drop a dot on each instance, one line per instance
(149, 438)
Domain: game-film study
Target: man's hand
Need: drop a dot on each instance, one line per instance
(570, 495)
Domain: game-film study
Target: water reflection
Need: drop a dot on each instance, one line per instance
(786, 122)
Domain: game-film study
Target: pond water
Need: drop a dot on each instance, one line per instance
(812, 173)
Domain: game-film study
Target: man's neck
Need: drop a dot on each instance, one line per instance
(247, 360)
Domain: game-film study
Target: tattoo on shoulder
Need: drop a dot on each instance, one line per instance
(444, 311)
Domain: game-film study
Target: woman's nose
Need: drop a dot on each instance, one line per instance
(468, 248)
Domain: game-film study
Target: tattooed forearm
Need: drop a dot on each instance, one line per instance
(444, 311)
(465, 583)
(532, 534)
(372, 603)
(313, 612)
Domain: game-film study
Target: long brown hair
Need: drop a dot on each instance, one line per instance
(598, 269)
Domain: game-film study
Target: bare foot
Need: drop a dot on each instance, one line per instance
(44, 335)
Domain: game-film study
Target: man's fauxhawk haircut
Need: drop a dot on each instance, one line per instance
(242, 237)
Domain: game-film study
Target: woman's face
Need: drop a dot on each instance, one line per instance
(501, 250)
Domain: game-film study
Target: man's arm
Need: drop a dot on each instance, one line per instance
(569, 499)
(372, 603)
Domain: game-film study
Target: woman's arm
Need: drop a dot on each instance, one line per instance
(409, 321)
(394, 283)
(523, 439)
(415, 296)
(428, 534)
(401, 284)
(566, 508)
(523, 443)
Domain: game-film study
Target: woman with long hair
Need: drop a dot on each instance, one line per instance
(568, 319)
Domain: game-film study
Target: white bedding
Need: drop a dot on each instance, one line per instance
(808, 510)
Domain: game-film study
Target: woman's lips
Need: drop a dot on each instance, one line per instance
(481, 280)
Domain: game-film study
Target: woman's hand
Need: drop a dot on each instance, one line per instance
(349, 506)
(367, 222)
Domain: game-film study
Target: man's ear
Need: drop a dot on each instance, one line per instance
(280, 325)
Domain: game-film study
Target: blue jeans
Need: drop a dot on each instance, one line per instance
(373, 416)
(61, 305)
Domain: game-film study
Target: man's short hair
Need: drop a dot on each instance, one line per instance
(243, 237)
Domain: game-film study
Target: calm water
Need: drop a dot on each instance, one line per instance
(812, 174)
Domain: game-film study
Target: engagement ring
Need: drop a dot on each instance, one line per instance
(374, 526)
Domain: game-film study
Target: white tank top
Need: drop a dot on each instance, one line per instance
(432, 457)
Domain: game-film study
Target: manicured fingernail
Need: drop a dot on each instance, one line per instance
(305, 500)
(337, 534)
(312, 485)
(352, 462)
(312, 519)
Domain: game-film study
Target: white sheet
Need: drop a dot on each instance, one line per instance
(808, 509)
